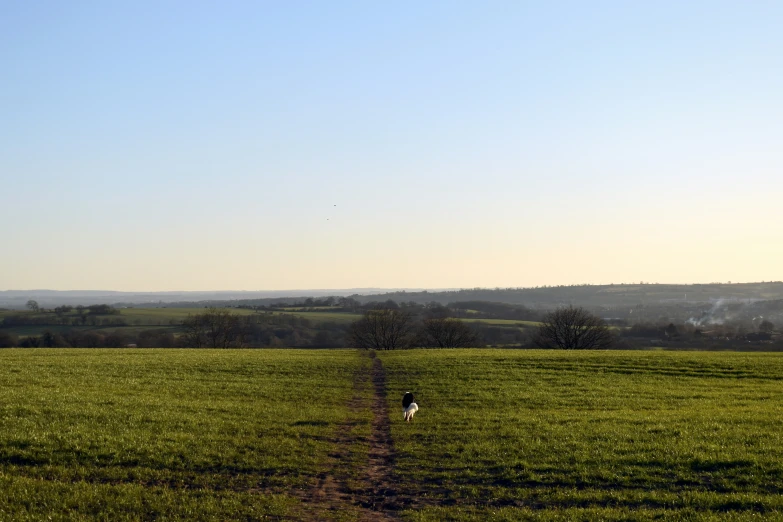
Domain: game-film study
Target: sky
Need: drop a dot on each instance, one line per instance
(259, 145)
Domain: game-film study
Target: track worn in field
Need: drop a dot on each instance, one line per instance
(358, 482)
(382, 495)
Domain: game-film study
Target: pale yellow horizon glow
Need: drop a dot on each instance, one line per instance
(594, 250)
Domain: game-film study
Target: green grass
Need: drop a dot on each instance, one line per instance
(550, 435)
(169, 434)
(501, 434)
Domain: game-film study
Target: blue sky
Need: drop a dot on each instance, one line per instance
(261, 145)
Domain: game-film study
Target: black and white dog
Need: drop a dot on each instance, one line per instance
(409, 408)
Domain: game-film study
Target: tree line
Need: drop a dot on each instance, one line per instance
(391, 325)
(220, 328)
(385, 326)
(572, 328)
(207, 329)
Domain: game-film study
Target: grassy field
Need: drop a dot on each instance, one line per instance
(501, 434)
(595, 435)
(146, 318)
(504, 322)
(167, 316)
(135, 319)
(152, 316)
(164, 316)
(320, 317)
(174, 434)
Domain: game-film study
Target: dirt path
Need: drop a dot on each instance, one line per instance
(382, 494)
(358, 481)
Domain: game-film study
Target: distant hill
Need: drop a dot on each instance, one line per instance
(541, 297)
(595, 295)
(52, 298)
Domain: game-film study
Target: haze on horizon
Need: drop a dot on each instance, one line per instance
(158, 146)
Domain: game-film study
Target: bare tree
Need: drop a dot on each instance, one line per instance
(573, 329)
(348, 303)
(381, 329)
(32, 305)
(194, 335)
(766, 326)
(215, 328)
(222, 328)
(8, 340)
(446, 333)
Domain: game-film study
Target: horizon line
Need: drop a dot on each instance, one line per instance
(392, 289)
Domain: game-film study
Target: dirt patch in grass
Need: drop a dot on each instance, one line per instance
(381, 494)
(358, 482)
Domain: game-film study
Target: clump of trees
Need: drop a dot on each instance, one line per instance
(766, 326)
(395, 328)
(211, 328)
(443, 332)
(485, 309)
(8, 340)
(75, 338)
(215, 328)
(730, 335)
(382, 329)
(93, 315)
(573, 328)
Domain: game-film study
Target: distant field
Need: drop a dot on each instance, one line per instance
(136, 319)
(349, 317)
(164, 316)
(153, 316)
(504, 322)
(339, 317)
(167, 434)
(140, 319)
(509, 435)
(167, 316)
(305, 308)
(150, 316)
